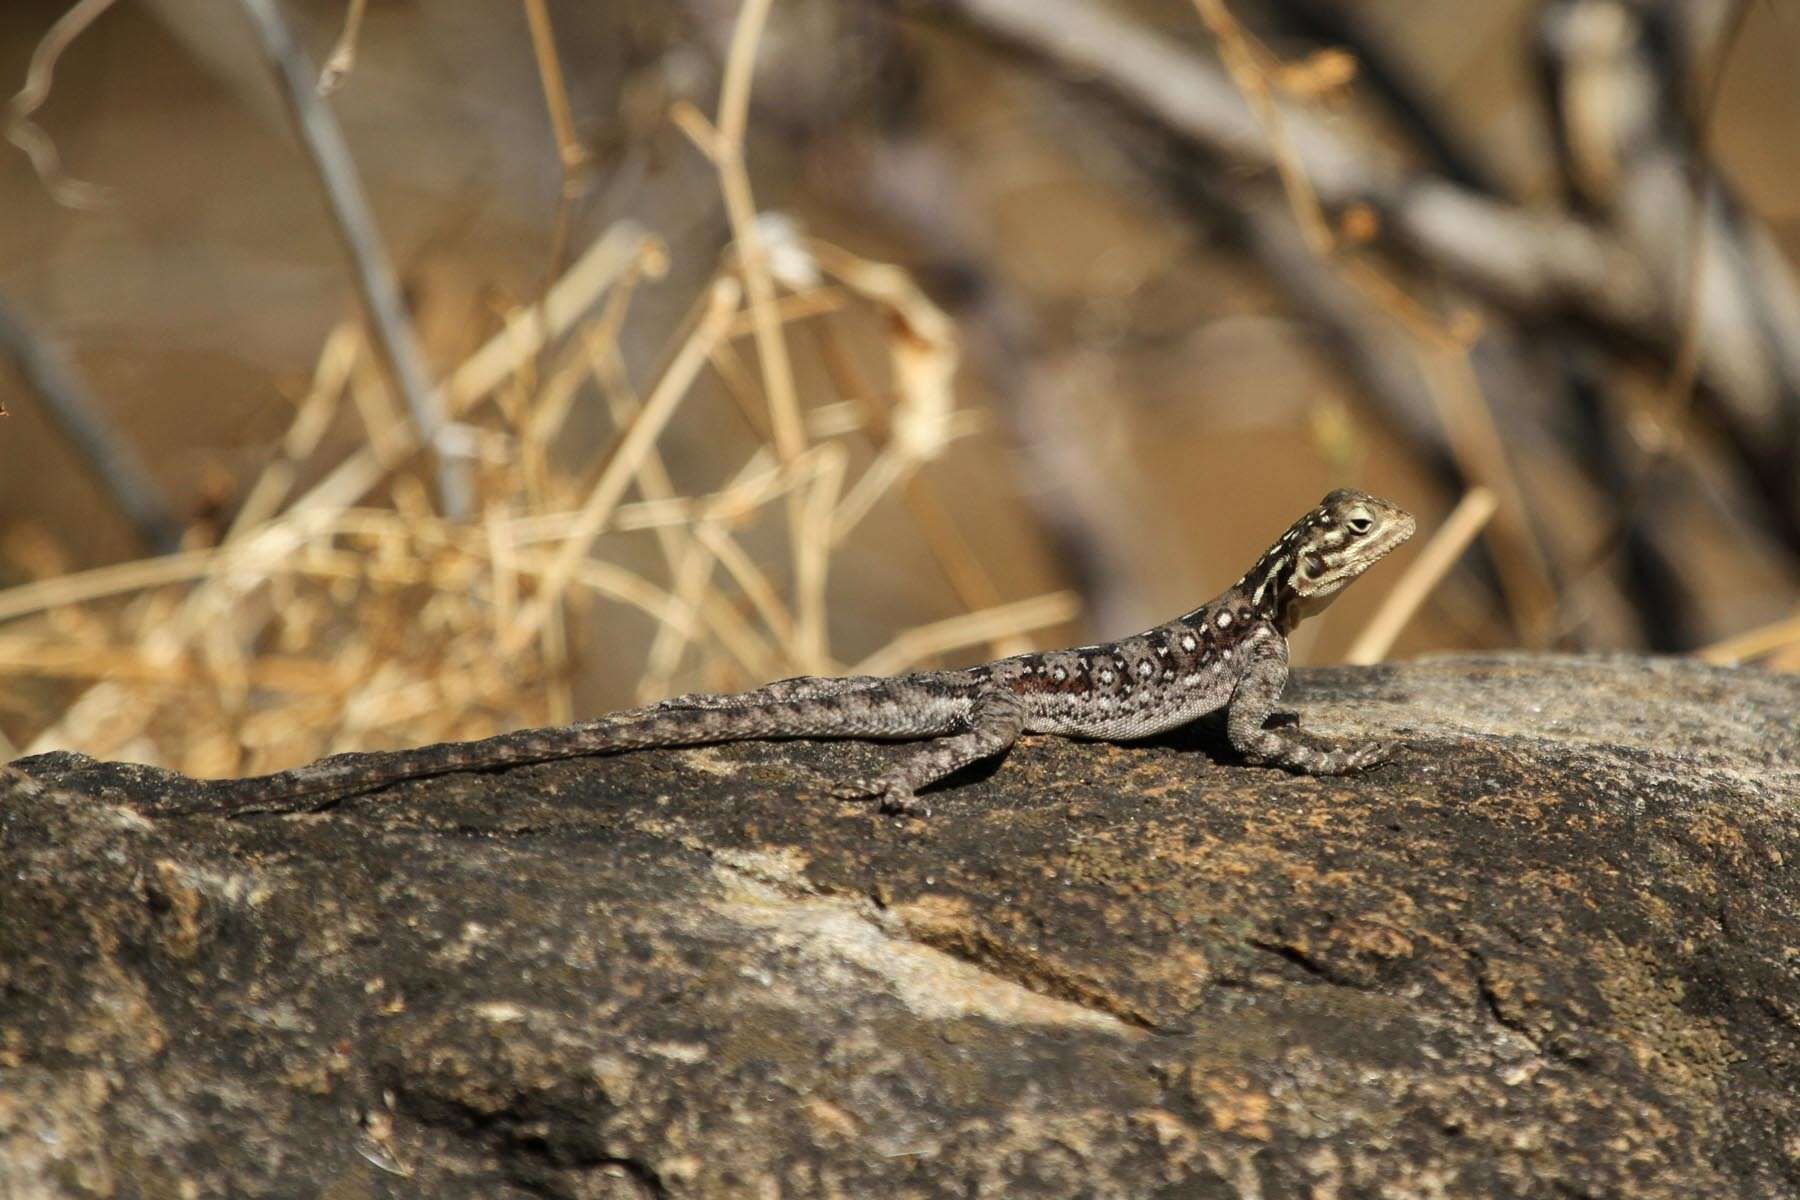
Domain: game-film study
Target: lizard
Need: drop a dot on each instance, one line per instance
(1231, 653)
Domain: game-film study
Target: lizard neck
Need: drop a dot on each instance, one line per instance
(1233, 615)
(1318, 556)
(1268, 587)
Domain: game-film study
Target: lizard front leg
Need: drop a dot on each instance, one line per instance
(994, 723)
(1252, 702)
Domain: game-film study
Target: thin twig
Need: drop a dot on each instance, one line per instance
(571, 156)
(690, 585)
(1475, 439)
(758, 481)
(342, 58)
(1246, 62)
(355, 224)
(812, 558)
(331, 375)
(108, 457)
(751, 579)
(569, 149)
(962, 568)
(24, 133)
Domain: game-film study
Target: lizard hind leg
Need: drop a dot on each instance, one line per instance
(994, 723)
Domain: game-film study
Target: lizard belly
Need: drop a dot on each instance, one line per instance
(1117, 721)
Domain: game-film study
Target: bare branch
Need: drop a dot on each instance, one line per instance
(111, 459)
(1537, 265)
(331, 161)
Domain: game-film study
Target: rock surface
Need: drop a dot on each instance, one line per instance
(1553, 950)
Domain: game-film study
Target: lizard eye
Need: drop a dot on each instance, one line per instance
(1360, 525)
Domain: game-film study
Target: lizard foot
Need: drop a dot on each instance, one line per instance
(1364, 757)
(895, 800)
(1310, 757)
(903, 803)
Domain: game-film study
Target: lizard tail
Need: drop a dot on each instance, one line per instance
(322, 784)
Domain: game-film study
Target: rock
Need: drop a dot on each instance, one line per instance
(1553, 950)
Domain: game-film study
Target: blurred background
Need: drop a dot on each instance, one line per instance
(536, 359)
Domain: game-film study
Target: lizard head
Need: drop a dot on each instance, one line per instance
(1319, 555)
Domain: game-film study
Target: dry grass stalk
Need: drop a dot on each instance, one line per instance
(571, 156)
(813, 302)
(26, 134)
(101, 582)
(752, 580)
(758, 481)
(924, 354)
(312, 416)
(1756, 644)
(1475, 439)
(963, 570)
(342, 59)
(1254, 70)
(636, 443)
(500, 357)
(207, 614)
(723, 143)
(916, 645)
(812, 559)
(569, 149)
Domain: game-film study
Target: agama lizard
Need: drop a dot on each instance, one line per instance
(1230, 653)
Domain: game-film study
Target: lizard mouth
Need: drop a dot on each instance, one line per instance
(1403, 528)
(1386, 542)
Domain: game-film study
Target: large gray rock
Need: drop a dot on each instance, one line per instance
(1553, 950)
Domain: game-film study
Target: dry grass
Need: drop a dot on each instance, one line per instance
(353, 613)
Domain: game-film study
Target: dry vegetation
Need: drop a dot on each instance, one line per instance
(344, 602)
(354, 613)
